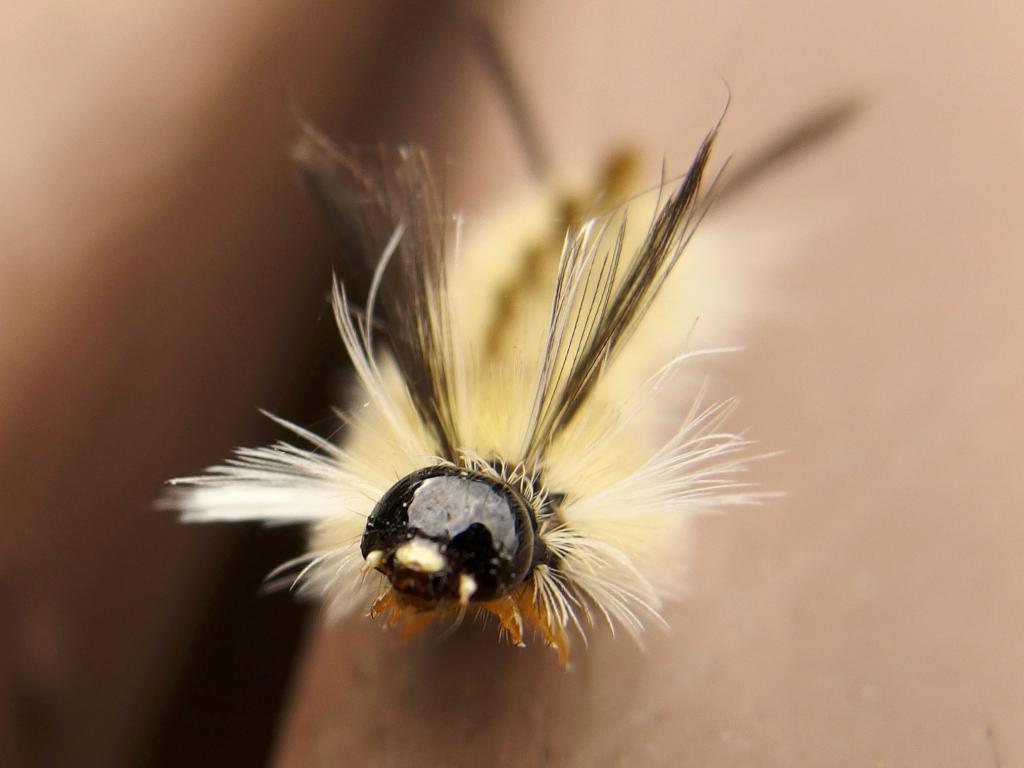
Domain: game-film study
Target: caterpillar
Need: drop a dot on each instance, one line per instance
(510, 447)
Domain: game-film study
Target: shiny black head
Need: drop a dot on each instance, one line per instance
(449, 533)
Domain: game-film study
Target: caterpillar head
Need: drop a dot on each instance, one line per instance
(445, 533)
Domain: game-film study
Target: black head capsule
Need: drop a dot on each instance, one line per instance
(449, 533)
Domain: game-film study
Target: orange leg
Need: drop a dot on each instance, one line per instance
(384, 602)
(554, 634)
(512, 611)
(506, 609)
(407, 618)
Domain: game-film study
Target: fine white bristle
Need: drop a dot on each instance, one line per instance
(548, 375)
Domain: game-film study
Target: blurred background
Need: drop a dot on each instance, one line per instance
(163, 275)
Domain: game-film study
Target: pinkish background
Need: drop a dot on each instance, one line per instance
(162, 275)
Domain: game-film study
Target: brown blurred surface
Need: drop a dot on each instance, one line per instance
(874, 617)
(163, 275)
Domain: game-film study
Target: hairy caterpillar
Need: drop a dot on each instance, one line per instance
(509, 448)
